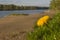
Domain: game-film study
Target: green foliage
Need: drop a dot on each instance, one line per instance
(55, 4)
(19, 14)
(52, 4)
(14, 7)
(50, 31)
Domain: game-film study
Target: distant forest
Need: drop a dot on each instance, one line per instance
(14, 7)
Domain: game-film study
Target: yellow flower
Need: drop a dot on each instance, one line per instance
(42, 20)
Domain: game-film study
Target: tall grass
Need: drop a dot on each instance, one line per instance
(49, 31)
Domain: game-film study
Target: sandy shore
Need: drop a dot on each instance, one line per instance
(16, 27)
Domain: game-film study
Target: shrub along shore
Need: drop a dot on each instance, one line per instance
(49, 31)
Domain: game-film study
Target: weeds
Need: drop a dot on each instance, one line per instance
(49, 31)
(19, 14)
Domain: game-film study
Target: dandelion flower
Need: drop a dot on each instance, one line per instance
(42, 20)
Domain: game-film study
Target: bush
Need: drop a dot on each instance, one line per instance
(49, 31)
(55, 4)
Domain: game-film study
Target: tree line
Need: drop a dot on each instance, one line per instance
(14, 7)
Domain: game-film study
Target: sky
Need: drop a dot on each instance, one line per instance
(26, 2)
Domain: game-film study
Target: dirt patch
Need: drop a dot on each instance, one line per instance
(16, 27)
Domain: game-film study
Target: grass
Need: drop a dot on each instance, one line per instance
(49, 31)
(19, 14)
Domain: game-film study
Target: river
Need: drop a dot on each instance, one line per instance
(5, 13)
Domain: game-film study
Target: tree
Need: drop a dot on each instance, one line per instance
(55, 4)
(52, 4)
(1, 7)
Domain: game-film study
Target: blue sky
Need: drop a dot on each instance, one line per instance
(27, 2)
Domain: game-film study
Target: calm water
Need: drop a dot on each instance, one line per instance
(5, 13)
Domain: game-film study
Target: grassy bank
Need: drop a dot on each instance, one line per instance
(14, 14)
(49, 31)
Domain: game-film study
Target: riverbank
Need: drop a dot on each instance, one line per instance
(17, 27)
